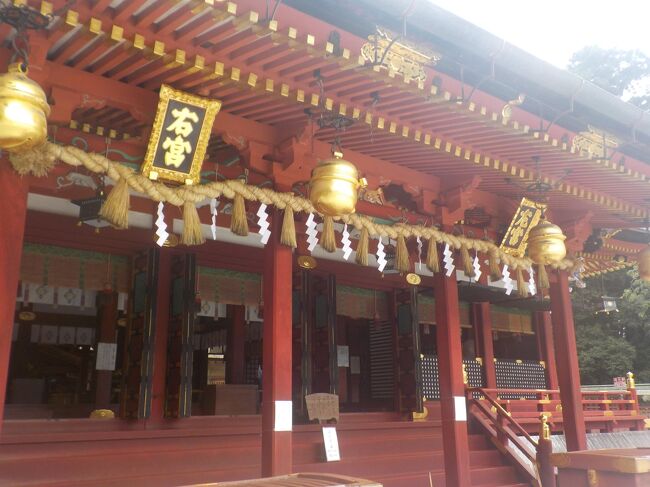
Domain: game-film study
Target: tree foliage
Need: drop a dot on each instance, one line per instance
(610, 345)
(624, 73)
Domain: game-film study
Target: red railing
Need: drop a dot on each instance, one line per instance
(530, 456)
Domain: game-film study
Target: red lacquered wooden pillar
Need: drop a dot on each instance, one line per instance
(567, 361)
(483, 330)
(544, 330)
(452, 388)
(13, 208)
(276, 369)
(158, 386)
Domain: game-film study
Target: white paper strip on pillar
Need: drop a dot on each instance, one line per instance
(460, 408)
(508, 283)
(477, 268)
(283, 416)
(448, 260)
(161, 226)
(263, 223)
(419, 240)
(312, 233)
(532, 287)
(381, 256)
(345, 240)
(214, 203)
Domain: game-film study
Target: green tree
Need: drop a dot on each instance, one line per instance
(624, 73)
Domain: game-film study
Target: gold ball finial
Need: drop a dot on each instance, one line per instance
(546, 243)
(23, 111)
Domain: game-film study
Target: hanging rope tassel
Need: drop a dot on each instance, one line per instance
(192, 233)
(522, 285)
(288, 234)
(493, 259)
(115, 209)
(361, 256)
(543, 277)
(433, 261)
(238, 221)
(468, 265)
(402, 262)
(328, 239)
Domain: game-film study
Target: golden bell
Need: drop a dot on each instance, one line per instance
(546, 243)
(334, 186)
(23, 111)
(644, 264)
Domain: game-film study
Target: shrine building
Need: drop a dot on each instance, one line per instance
(226, 225)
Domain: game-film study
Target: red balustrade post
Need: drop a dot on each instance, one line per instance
(567, 361)
(544, 451)
(13, 209)
(277, 408)
(452, 388)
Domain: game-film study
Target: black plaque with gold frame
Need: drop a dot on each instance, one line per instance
(526, 217)
(180, 136)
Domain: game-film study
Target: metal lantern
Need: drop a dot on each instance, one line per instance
(334, 186)
(23, 111)
(546, 243)
(644, 264)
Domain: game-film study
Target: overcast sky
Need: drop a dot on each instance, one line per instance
(554, 29)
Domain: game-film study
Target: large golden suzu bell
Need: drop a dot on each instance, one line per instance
(644, 264)
(23, 111)
(546, 243)
(334, 186)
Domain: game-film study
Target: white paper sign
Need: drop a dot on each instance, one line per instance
(355, 364)
(460, 408)
(332, 453)
(343, 356)
(283, 416)
(106, 354)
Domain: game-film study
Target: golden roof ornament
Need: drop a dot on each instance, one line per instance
(23, 110)
(401, 57)
(334, 186)
(595, 142)
(643, 261)
(546, 243)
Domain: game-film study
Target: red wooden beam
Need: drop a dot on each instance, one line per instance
(482, 321)
(544, 334)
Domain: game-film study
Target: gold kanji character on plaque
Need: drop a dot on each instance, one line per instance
(176, 150)
(183, 119)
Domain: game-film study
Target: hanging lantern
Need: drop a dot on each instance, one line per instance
(546, 243)
(644, 264)
(609, 305)
(23, 111)
(334, 186)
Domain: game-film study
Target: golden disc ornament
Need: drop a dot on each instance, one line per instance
(546, 243)
(644, 264)
(334, 186)
(413, 279)
(23, 111)
(307, 262)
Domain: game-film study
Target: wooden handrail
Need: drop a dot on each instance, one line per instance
(504, 413)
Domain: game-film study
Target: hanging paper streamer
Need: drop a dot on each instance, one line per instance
(419, 240)
(161, 226)
(507, 281)
(381, 256)
(263, 222)
(312, 233)
(345, 240)
(448, 260)
(532, 287)
(477, 268)
(213, 211)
